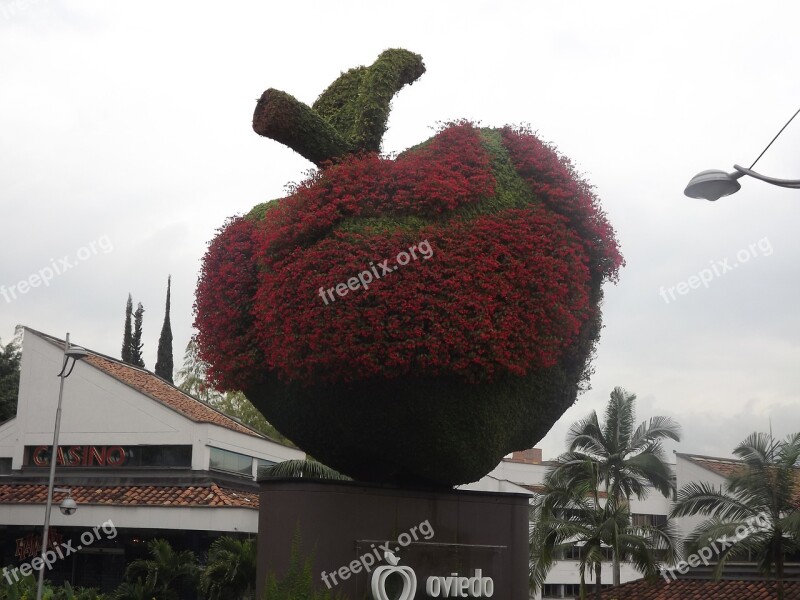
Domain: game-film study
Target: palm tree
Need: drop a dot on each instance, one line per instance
(623, 461)
(765, 490)
(304, 468)
(231, 570)
(128, 590)
(571, 513)
(165, 571)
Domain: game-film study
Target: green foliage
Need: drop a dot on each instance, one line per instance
(10, 358)
(511, 190)
(164, 571)
(164, 363)
(136, 590)
(568, 513)
(349, 116)
(192, 380)
(66, 592)
(615, 460)
(285, 119)
(136, 340)
(625, 460)
(298, 582)
(192, 375)
(761, 499)
(127, 334)
(357, 104)
(132, 340)
(25, 589)
(237, 405)
(479, 422)
(230, 573)
(304, 468)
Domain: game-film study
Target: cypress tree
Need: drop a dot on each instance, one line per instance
(136, 342)
(164, 361)
(127, 339)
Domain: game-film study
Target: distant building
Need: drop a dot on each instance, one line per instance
(134, 451)
(526, 470)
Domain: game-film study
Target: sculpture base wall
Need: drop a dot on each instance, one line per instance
(444, 543)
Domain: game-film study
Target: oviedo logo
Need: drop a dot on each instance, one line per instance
(451, 586)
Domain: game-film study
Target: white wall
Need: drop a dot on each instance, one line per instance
(520, 473)
(98, 409)
(139, 517)
(690, 472)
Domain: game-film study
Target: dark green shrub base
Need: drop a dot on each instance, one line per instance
(419, 431)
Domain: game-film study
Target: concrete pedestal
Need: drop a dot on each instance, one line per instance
(460, 544)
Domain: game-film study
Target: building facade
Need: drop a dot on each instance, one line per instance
(141, 459)
(525, 471)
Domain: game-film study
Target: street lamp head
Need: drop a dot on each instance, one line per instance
(76, 353)
(713, 184)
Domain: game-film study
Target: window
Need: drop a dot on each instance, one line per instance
(652, 520)
(552, 590)
(569, 590)
(572, 553)
(561, 590)
(161, 456)
(231, 462)
(261, 466)
(5, 466)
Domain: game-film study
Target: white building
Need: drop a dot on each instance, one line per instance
(135, 452)
(525, 471)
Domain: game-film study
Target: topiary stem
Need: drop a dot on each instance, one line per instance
(349, 116)
(285, 119)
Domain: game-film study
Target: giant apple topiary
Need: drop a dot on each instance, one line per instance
(445, 361)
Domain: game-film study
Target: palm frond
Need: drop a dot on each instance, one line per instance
(701, 498)
(304, 468)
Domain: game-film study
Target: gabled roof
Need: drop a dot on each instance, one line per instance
(157, 389)
(727, 467)
(693, 589)
(134, 495)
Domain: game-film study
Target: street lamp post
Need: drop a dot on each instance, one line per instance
(715, 184)
(75, 354)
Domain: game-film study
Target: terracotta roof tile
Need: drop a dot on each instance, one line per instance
(727, 467)
(156, 388)
(134, 495)
(721, 466)
(694, 589)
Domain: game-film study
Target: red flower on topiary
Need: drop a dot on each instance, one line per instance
(449, 361)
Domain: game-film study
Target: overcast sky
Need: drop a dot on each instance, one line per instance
(126, 140)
